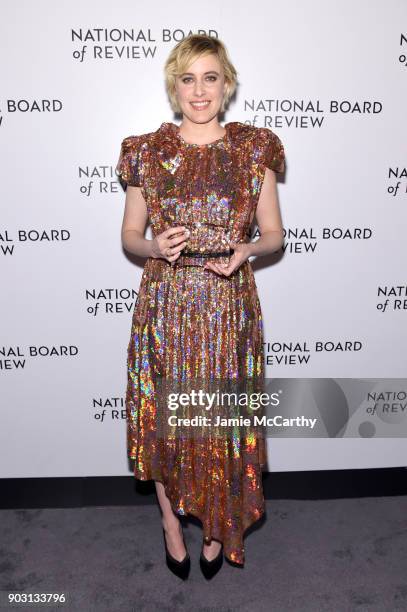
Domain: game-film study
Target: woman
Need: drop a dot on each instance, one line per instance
(198, 312)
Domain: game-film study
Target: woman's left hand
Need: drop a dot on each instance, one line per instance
(240, 255)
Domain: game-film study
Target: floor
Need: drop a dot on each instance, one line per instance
(307, 555)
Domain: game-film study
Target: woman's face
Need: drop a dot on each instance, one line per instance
(201, 88)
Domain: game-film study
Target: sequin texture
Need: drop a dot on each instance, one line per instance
(190, 322)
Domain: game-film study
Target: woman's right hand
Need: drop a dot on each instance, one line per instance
(169, 244)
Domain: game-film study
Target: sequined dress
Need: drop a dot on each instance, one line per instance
(189, 321)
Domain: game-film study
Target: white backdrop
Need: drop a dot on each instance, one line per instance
(329, 78)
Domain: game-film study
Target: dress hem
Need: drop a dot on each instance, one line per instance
(218, 537)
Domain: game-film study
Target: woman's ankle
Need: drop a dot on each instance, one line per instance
(211, 549)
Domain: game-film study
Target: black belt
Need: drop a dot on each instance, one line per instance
(199, 254)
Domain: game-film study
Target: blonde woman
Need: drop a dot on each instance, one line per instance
(200, 185)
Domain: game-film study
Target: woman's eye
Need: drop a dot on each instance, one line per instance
(211, 78)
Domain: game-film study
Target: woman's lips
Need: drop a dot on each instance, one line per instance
(200, 105)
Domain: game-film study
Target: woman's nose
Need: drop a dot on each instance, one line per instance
(199, 88)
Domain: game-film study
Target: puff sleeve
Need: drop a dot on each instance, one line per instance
(128, 166)
(269, 150)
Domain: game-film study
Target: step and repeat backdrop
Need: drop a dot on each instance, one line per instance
(330, 80)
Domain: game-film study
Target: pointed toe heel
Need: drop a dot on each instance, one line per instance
(210, 568)
(179, 568)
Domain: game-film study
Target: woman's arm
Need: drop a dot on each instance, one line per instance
(268, 218)
(134, 223)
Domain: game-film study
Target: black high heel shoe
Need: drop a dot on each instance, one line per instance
(179, 568)
(210, 568)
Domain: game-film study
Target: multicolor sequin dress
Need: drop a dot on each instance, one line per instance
(189, 321)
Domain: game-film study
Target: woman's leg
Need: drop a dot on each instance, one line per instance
(211, 550)
(173, 529)
(171, 524)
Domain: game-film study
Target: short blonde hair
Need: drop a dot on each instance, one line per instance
(186, 52)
